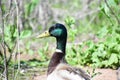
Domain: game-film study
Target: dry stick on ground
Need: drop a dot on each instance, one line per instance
(4, 49)
(112, 12)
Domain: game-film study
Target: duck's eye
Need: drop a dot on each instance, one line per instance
(52, 28)
(46, 32)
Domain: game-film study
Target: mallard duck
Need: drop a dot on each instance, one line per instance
(58, 68)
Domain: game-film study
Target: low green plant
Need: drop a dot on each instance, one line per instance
(102, 54)
(10, 37)
(43, 53)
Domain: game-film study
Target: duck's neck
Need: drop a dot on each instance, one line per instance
(58, 56)
(61, 44)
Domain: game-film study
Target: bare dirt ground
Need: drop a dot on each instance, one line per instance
(106, 74)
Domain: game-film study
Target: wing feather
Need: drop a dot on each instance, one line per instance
(70, 73)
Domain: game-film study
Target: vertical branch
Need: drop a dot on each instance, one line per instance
(18, 34)
(4, 49)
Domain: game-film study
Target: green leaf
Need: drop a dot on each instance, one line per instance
(29, 7)
(106, 9)
(27, 46)
(3, 8)
(69, 21)
(35, 1)
(112, 2)
(102, 32)
(113, 58)
(117, 1)
(46, 47)
(30, 52)
(25, 34)
(15, 33)
(42, 55)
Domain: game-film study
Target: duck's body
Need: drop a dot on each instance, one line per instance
(58, 69)
(65, 72)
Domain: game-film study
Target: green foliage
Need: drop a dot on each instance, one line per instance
(111, 10)
(30, 7)
(25, 34)
(70, 21)
(97, 55)
(10, 37)
(11, 34)
(36, 63)
(104, 53)
(42, 52)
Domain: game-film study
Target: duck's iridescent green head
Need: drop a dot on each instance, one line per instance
(57, 30)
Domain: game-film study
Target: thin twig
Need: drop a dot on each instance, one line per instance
(4, 49)
(10, 10)
(1, 55)
(10, 5)
(18, 34)
(112, 12)
(11, 51)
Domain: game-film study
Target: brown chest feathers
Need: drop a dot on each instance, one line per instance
(55, 60)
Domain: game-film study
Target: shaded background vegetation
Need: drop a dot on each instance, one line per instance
(93, 32)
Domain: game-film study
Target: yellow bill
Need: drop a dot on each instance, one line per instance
(44, 34)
